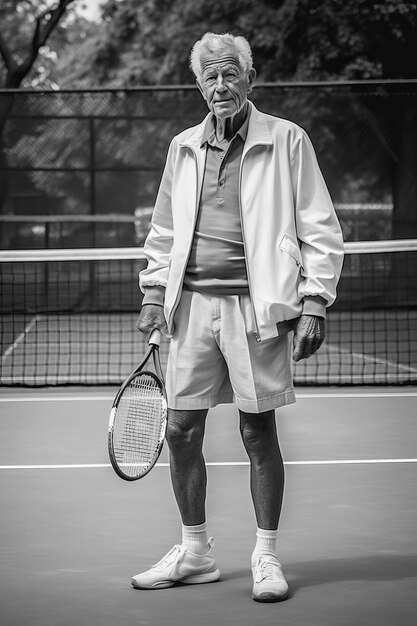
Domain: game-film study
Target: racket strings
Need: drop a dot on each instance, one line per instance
(139, 429)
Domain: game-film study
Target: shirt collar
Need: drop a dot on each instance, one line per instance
(209, 132)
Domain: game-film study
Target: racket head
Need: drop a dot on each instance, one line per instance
(137, 425)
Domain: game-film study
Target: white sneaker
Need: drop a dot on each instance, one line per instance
(179, 565)
(269, 584)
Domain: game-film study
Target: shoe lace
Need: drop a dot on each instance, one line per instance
(170, 557)
(269, 568)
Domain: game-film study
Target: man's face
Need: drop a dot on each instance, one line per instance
(224, 84)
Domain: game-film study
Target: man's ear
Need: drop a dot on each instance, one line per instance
(251, 78)
(200, 88)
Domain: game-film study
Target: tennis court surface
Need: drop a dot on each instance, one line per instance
(72, 533)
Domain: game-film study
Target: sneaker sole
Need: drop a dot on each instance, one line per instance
(164, 584)
(270, 597)
(209, 577)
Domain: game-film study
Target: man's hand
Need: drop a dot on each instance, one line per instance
(151, 316)
(308, 336)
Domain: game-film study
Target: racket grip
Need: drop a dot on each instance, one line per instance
(155, 338)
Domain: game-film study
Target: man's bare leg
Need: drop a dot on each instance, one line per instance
(185, 433)
(260, 439)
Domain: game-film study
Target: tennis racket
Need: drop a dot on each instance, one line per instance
(138, 418)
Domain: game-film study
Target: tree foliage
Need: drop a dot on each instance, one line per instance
(143, 42)
(148, 42)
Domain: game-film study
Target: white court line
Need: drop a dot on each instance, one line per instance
(20, 338)
(300, 396)
(214, 464)
(371, 359)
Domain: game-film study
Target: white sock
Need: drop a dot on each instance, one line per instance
(195, 538)
(266, 541)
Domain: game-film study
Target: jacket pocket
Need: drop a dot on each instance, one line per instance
(289, 246)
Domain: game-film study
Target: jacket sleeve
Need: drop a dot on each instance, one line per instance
(158, 244)
(318, 229)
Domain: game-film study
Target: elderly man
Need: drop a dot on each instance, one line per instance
(244, 247)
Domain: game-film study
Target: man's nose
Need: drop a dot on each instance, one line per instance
(219, 82)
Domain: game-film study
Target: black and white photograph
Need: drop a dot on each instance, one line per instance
(208, 312)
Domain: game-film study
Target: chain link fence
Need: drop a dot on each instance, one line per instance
(98, 156)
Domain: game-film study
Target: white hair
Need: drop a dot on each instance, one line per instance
(212, 42)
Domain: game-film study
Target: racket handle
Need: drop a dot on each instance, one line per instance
(155, 338)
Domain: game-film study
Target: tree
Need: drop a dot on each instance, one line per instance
(29, 25)
(26, 27)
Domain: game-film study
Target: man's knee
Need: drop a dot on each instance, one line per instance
(258, 432)
(185, 429)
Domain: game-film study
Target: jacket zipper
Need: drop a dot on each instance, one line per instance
(177, 298)
(256, 332)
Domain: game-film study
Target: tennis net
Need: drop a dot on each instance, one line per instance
(68, 318)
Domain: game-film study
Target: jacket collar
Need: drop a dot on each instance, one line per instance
(258, 131)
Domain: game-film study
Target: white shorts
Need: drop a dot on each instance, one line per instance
(214, 357)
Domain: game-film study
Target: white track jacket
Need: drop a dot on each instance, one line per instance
(292, 238)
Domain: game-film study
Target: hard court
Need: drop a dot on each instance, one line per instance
(73, 533)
